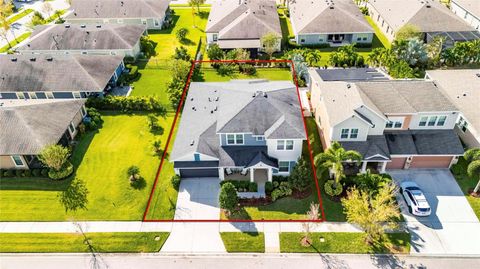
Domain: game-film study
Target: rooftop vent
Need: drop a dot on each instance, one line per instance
(478, 75)
(67, 25)
(13, 59)
(193, 108)
(265, 94)
(83, 26)
(121, 3)
(215, 109)
(217, 98)
(254, 94)
(349, 86)
(99, 26)
(33, 59)
(49, 59)
(192, 142)
(191, 99)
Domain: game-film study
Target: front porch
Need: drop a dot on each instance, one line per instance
(252, 174)
(376, 167)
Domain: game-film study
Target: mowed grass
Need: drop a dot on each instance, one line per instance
(210, 75)
(153, 81)
(379, 39)
(243, 242)
(75, 242)
(344, 243)
(467, 184)
(19, 15)
(15, 42)
(101, 160)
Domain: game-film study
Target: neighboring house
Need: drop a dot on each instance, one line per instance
(431, 17)
(336, 22)
(57, 76)
(393, 124)
(242, 23)
(253, 126)
(92, 39)
(151, 13)
(28, 127)
(469, 10)
(462, 86)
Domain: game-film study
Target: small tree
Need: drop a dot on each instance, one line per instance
(181, 34)
(270, 43)
(181, 53)
(408, 31)
(54, 156)
(214, 52)
(228, 198)
(313, 215)
(133, 173)
(157, 146)
(472, 156)
(374, 214)
(301, 176)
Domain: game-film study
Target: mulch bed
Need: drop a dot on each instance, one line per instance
(473, 194)
(268, 200)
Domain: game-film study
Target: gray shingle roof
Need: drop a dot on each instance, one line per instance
(428, 15)
(56, 72)
(233, 19)
(320, 16)
(83, 9)
(406, 96)
(372, 149)
(424, 142)
(245, 156)
(90, 37)
(27, 129)
(230, 107)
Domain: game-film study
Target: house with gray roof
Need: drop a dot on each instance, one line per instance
(91, 39)
(251, 126)
(462, 87)
(242, 23)
(394, 124)
(468, 10)
(57, 76)
(431, 17)
(334, 22)
(151, 13)
(27, 127)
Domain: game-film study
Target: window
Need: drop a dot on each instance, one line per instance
(284, 167)
(113, 53)
(20, 95)
(423, 121)
(432, 120)
(18, 160)
(441, 120)
(32, 95)
(364, 39)
(394, 123)
(280, 144)
(157, 23)
(215, 37)
(76, 95)
(359, 38)
(83, 111)
(71, 128)
(260, 138)
(196, 157)
(462, 124)
(289, 145)
(302, 40)
(321, 40)
(344, 133)
(144, 22)
(49, 95)
(234, 139)
(84, 52)
(354, 133)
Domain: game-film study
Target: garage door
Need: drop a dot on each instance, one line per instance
(210, 172)
(431, 162)
(396, 163)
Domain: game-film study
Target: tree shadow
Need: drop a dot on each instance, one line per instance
(74, 197)
(138, 184)
(187, 42)
(239, 214)
(203, 15)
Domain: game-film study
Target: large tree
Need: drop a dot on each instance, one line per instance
(374, 214)
(333, 159)
(301, 176)
(54, 156)
(228, 198)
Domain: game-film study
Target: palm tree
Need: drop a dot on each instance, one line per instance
(334, 157)
(313, 57)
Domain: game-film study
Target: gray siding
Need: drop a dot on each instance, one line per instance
(248, 140)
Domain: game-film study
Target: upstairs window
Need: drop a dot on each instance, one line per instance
(394, 123)
(18, 160)
(432, 121)
(441, 120)
(285, 144)
(354, 134)
(289, 145)
(215, 37)
(345, 133)
(280, 144)
(260, 138)
(234, 139)
(423, 121)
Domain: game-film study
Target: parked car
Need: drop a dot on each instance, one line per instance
(415, 199)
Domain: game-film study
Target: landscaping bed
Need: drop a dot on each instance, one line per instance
(76, 242)
(243, 242)
(467, 184)
(344, 243)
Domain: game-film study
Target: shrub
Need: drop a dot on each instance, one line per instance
(181, 53)
(228, 197)
(226, 69)
(44, 172)
(36, 172)
(252, 187)
(301, 176)
(214, 52)
(27, 173)
(153, 124)
(240, 185)
(95, 119)
(181, 33)
(175, 180)
(333, 191)
(127, 104)
(283, 189)
(54, 157)
(66, 171)
(19, 173)
(129, 60)
(247, 69)
(133, 173)
(9, 173)
(457, 169)
(268, 187)
(147, 46)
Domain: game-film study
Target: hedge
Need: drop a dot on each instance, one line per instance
(130, 103)
(33, 173)
(242, 185)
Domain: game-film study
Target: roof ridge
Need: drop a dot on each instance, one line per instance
(75, 58)
(114, 30)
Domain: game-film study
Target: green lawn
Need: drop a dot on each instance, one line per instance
(101, 160)
(75, 242)
(211, 75)
(19, 16)
(15, 41)
(380, 39)
(153, 81)
(344, 243)
(466, 183)
(243, 242)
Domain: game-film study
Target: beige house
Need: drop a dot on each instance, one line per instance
(27, 127)
(151, 13)
(463, 88)
(393, 124)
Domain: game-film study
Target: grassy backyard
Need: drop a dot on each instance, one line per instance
(210, 75)
(75, 242)
(344, 243)
(379, 39)
(243, 242)
(467, 184)
(101, 160)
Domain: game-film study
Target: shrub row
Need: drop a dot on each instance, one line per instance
(24, 173)
(242, 185)
(127, 104)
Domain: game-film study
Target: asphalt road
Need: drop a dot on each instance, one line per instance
(146, 261)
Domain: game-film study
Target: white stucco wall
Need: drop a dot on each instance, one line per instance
(449, 123)
(285, 155)
(352, 122)
(465, 15)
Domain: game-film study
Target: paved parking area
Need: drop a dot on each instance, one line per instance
(453, 227)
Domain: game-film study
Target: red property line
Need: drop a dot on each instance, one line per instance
(172, 128)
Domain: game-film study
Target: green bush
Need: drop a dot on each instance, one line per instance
(129, 60)
(228, 198)
(268, 187)
(240, 185)
(252, 187)
(333, 191)
(128, 104)
(65, 172)
(95, 119)
(27, 173)
(36, 172)
(301, 177)
(44, 172)
(19, 173)
(9, 173)
(247, 69)
(175, 180)
(458, 170)
(283, 189)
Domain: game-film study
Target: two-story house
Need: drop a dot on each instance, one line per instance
(57, 76)
(252, 126)
(151, 13)
(334, 22)
(394, 124)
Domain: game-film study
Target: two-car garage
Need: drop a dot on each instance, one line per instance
(420, 162)
(197, 169)
(200, 172)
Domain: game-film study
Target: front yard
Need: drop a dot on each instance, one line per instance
(101, 160)
(467, 184)
(243, 242)
(334, 242)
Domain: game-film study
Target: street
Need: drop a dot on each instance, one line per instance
(231, 261)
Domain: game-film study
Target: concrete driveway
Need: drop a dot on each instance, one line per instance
(197, 200)
(453, 227)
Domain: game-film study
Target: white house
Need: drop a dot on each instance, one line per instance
(469, 10)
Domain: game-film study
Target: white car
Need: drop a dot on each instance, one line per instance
(416, 201)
